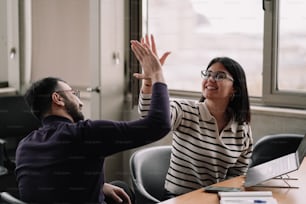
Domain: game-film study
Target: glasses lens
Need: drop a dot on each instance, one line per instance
(76, 93)
(220, 76)
(204, 74)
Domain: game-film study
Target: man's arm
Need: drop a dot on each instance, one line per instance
(113, 136)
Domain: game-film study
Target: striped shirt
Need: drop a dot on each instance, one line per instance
(200, 155)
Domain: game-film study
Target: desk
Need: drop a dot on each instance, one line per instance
(282, 195)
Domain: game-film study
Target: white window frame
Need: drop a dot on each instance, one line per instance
(11, 57)
(271, 96)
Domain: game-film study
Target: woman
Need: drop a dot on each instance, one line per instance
(212, 138)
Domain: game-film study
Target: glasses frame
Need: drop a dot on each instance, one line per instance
(205, 74)
(75, 92)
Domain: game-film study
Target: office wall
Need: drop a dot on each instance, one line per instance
(60, 40)
(3, 42)
(268, 120)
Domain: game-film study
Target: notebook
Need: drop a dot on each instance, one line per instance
(247, 197)
(276, 167)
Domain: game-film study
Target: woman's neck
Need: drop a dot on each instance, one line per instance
(219, 111)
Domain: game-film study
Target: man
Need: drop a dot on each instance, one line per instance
(62, 161)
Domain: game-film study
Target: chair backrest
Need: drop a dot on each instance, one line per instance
(148, 169)
(16, 120)
(16, 117)
(271, 147)
(7, 175)
(6, 198)
(3, 169)
(5, 161)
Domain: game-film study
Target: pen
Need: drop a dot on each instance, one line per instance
(260, 201)
(256, 201)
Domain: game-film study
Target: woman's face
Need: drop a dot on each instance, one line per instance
(214, 89)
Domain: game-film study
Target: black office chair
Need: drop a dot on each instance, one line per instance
(7, 176)
(148, 169)
(6, 198)
(271, 147)
(6, 164)
(16, 121)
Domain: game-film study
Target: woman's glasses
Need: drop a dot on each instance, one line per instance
(218, 76)
(75, 92)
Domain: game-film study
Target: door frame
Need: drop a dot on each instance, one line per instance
(95, 60)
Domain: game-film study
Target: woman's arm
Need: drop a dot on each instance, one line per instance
(146, 87)
(112, 136)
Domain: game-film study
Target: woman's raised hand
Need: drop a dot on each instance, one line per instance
(151, 66)
(149, 42)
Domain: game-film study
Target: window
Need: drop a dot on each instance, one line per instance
(284, 53)
(260, 35)
(195, 31)
(292, 46)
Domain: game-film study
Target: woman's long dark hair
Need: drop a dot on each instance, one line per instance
(239, 105)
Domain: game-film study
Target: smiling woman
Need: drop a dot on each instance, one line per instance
(214, 132)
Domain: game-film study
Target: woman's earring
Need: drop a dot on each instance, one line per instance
(233, 97)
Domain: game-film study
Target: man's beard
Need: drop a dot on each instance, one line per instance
(73, 111)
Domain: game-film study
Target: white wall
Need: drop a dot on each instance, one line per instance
(3, 42)
(267, 121)
(60, 40)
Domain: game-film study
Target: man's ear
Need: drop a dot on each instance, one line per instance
(57, 99)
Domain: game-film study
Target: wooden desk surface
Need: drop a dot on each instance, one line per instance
(282, 195)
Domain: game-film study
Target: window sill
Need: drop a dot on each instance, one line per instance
(7, 91)
(280, 112)
(257, 108)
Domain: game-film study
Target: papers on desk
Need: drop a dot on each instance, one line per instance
(247, 197)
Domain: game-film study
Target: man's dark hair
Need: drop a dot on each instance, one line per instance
(38, 96)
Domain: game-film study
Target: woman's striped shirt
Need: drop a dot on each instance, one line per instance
(200, 155)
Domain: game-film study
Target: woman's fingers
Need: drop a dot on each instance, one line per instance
(164, 57)
(147, 40)
(153, 45)
(138, 50)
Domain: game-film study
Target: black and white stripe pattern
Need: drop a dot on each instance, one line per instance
(200, 156)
